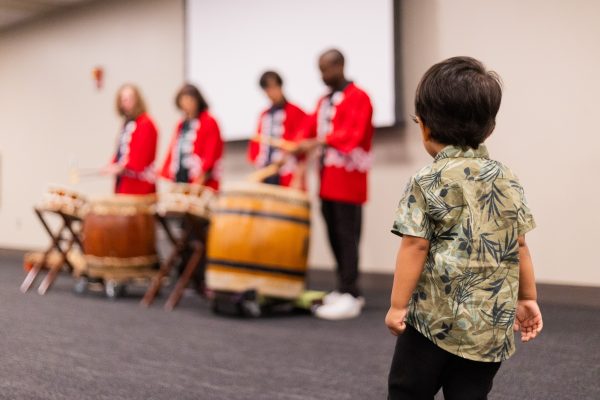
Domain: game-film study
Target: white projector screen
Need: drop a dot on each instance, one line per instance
(229, 43)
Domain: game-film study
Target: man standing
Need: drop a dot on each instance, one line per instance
(341, 131)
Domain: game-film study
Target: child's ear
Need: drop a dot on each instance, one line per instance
(425, 132)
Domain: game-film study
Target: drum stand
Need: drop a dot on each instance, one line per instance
(180, 244)
(62, 241)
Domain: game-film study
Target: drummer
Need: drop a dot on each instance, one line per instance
(341, 130)
(194, 157)
(195, 151)
(281, 121)
(133, 162)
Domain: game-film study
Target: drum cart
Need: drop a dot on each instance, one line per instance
(250, 304)
(112, 281)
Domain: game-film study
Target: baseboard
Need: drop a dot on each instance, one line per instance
(12, 253)
(586, 296)
(324, 278)
(548, 293)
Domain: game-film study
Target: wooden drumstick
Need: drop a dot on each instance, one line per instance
(264, 173)
(282, 144)
(75, 174)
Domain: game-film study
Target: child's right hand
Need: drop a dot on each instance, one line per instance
(395, 320)
(528, 319)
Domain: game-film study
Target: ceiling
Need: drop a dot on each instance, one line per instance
(13, 12)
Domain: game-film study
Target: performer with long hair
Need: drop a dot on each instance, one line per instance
(133, 162)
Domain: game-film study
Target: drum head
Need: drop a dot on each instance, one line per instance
(266, 190)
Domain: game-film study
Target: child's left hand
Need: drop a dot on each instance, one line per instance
(395, 320)
(528, 320)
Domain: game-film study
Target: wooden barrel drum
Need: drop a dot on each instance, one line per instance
(119, 233)
(258, 240)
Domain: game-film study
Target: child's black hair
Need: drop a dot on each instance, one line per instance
(458, 99)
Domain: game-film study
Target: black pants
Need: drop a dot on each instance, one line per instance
(344, 222)
(420, 368)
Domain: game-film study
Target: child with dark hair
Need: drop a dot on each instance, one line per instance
(464, 276)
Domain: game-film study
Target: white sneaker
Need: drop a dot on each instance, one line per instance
(331, 297)
(345, 306)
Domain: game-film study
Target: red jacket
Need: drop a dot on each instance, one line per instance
(281, 124)
(206, 149)
(344, 120)
(136, 153)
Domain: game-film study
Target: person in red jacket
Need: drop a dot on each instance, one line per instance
(133, 162)
(194, 157)
(196, 148)
(341, 130)
(281, 121)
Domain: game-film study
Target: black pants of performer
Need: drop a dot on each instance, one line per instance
(344, 222)
(420, 368)
(273, 180)
(199, 231)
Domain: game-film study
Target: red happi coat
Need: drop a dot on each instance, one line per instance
(343, 119)
(282, 124)
(207, 149)
(137, 151)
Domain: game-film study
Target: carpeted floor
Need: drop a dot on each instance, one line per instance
(61, 346)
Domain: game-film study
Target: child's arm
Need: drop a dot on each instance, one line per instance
(528, 317)
(409, 265)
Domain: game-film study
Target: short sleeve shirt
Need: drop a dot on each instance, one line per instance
(472, 210)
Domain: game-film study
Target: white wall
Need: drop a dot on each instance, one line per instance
(545, 51)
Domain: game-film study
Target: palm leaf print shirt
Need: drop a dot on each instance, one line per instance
(471, 210)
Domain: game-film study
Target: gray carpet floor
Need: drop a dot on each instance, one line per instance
(63, 346)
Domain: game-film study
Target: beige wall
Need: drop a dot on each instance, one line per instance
(544, 50)
(51, 112)
(547, 54)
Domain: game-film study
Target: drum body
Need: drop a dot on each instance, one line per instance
(258, 240)
(119, 231)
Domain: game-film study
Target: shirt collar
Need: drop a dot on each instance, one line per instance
(341, 89)
(460, 152)
(277, 107)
